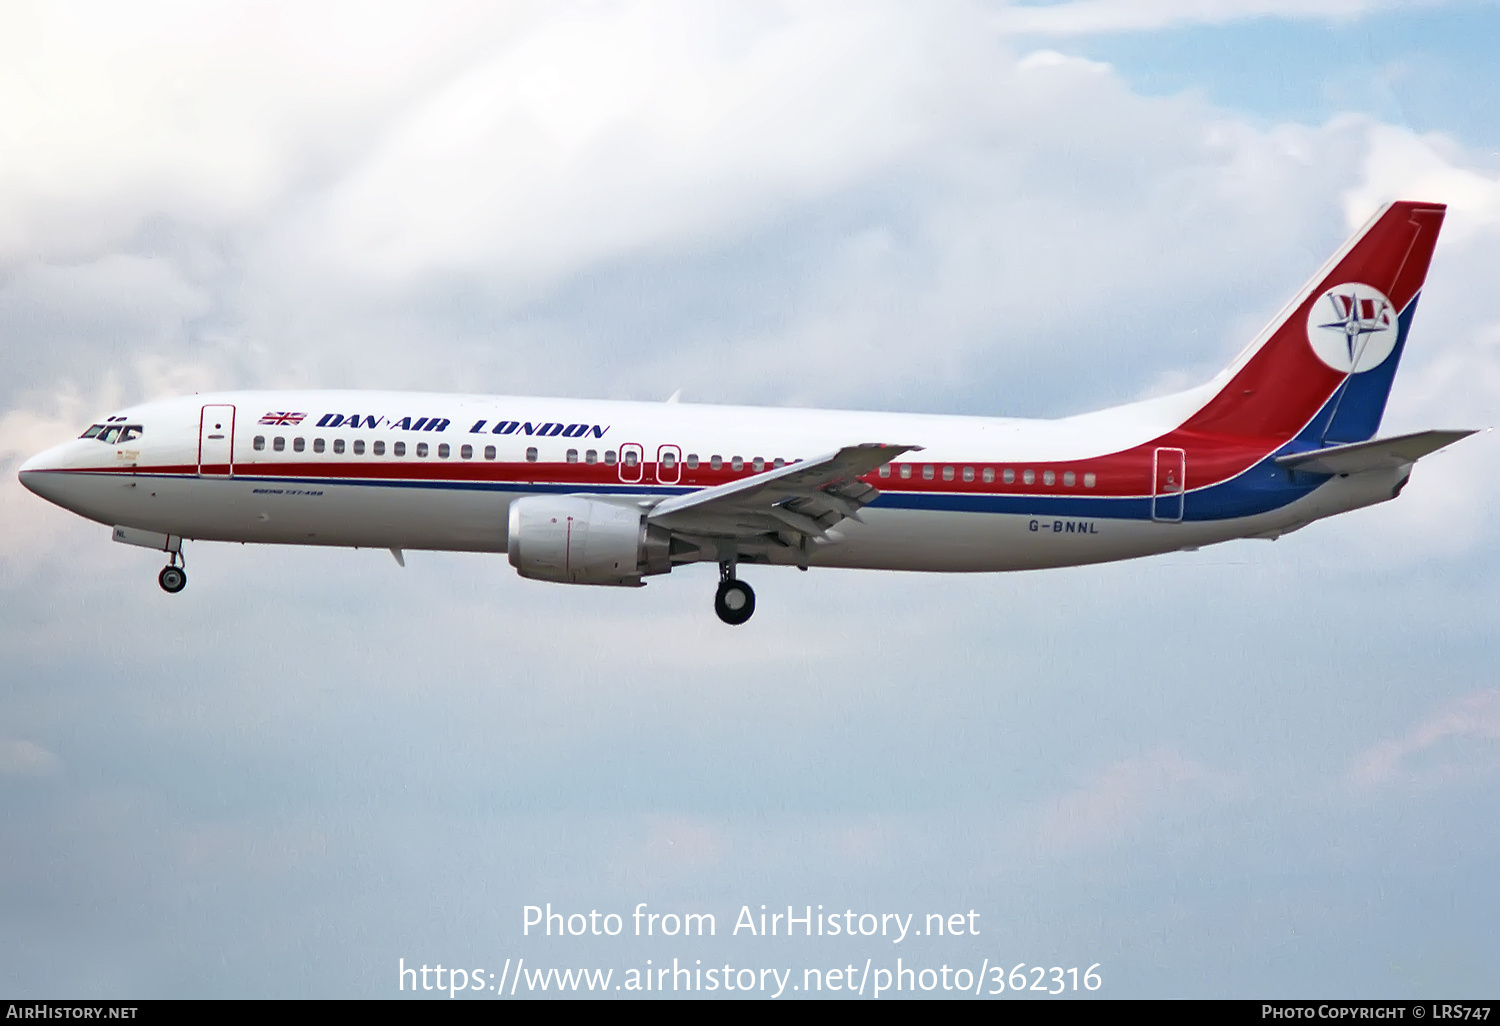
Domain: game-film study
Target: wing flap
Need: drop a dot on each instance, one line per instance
(1376, 454)
(806, 497)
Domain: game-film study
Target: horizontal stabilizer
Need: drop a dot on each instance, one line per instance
(1376, 454)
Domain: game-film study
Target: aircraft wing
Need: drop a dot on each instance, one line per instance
(803, 498)
(1376, 454)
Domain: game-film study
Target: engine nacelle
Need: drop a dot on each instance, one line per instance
(584, 541)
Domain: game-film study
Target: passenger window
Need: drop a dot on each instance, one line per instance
(1088, 480)
(531, 455)
(968, 473)
(278, 443)
(260, 443)
(298, 444)
(444, 451)
(779, 463)
(947, 473)
(359, 447)
(130, 433)
(489, 452)
(1010, 476)
(572, 455)
(885, 470)
(378, 449)
(398, 448)
(927, 472)
(989, 475)
(1048, 477)
(591, 457)
(467, 452)
(716, 462)
(421, 449)
(692, 461)
(759, 464)
(1068, 478)
(1028, 476)
(668, 460)
(338, 446)
(317, 445)
(609, 457)
(737, 464)
(632, 458)
(905, 470)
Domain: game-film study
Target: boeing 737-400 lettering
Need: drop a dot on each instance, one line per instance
(593, 492)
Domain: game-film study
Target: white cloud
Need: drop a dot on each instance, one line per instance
(1118, 803)
(1400, 163)
(1432, 751)
(200, 112)
(1086, 17)
(26, 759)
(614, 128)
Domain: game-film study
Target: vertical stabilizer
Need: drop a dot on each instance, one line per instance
(1322, 370)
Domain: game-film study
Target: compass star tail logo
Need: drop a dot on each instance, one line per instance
(1352, 327)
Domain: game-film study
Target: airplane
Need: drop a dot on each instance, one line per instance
(582, 491)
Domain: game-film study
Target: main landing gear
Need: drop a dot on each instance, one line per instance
(735, 602)
(173, 578)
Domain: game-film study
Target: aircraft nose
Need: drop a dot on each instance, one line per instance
(51, 459)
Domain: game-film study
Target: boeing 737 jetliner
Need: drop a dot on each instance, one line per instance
(591, 492)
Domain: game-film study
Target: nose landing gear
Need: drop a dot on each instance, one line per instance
(734, 602)
(173, 578)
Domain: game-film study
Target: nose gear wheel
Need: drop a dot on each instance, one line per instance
(172, 579)
(173, 576)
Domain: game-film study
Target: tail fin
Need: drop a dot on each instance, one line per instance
(1322, 369)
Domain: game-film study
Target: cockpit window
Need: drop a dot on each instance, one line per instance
(109, 434)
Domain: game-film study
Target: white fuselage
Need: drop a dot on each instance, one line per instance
(427, 471)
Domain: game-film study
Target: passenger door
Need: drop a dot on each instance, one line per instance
(216, 441)
(1170, 485)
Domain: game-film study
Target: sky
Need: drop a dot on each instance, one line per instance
(1263, 770)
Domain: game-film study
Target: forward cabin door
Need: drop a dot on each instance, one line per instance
(1170, 477)
(216, 442)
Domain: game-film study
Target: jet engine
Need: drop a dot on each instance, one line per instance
(573, 540)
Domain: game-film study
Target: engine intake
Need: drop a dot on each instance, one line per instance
(584, 541)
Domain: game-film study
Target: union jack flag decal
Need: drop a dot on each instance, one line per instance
(282, 419)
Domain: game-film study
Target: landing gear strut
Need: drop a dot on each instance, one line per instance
(173, 578)
(735, 602)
